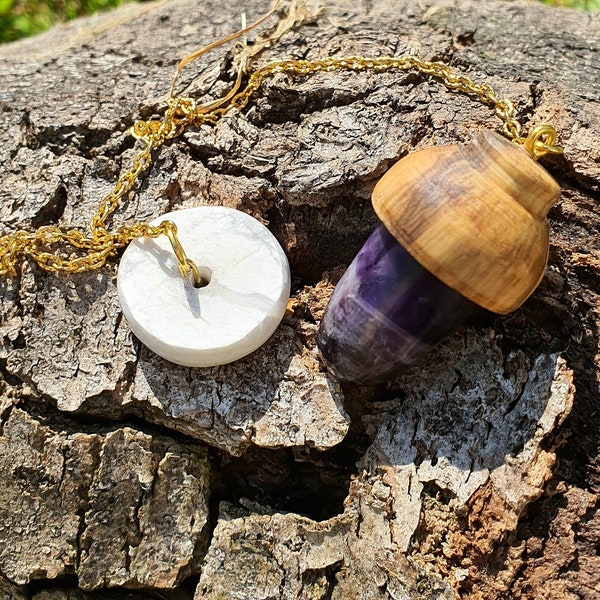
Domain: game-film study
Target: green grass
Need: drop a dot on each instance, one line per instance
(579, 4)
(20, 18)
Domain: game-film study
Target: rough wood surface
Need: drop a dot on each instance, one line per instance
(475, 474)
(120, 509)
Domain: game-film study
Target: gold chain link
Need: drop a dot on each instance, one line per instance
(75, 252)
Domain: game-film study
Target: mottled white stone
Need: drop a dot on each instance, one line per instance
(234, 314)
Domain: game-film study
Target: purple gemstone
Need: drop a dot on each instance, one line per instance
(385, 312)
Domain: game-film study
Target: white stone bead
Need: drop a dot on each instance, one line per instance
(233, 315)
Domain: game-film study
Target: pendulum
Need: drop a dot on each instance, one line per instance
(462, 227)
(237, 302)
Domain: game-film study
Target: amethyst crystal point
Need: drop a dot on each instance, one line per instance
(385, 312)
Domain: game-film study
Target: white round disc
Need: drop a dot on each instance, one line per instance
(234, 314)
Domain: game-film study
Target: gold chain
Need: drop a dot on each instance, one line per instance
(75, 252)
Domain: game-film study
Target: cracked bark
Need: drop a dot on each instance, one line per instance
(470, 480)
(117, 509)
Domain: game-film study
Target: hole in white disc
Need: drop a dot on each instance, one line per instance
(205, 277)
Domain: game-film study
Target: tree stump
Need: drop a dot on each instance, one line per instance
(475, 474)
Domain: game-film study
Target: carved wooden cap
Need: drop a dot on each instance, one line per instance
(474, 216)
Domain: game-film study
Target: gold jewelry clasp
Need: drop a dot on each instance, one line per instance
(186, 265)
(541, 141)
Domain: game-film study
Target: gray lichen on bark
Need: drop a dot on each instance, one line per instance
(120, 509)
(376, 547)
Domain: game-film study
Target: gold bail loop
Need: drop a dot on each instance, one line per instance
(186, 265)
(541, 141)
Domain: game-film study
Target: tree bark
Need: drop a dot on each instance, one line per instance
(473, 475)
